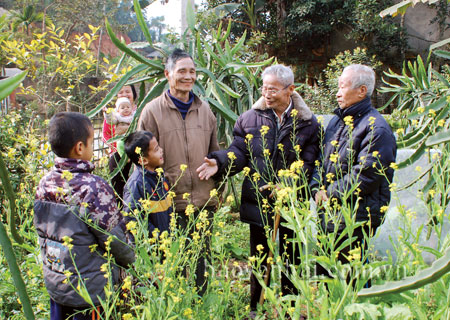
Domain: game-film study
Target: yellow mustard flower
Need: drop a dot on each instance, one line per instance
(67, 175)
(264, 130)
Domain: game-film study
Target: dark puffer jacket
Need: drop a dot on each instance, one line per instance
(360, 158)
(304, 131)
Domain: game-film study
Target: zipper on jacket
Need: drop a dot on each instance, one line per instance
(275, 140)
(186, 147)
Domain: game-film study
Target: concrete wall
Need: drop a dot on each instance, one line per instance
(421, 32)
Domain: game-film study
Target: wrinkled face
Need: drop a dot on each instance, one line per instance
(88, 148)
(276, 95)
(126, 92)
(125, 109)
(347, 96)
(182, 77)
(154, 157)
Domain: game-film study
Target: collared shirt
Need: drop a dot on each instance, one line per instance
(283, 115)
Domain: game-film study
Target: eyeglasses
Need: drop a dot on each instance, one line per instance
(272, 92)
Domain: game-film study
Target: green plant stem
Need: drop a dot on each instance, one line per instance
(336, 311)
(5, 242)
(12, 201)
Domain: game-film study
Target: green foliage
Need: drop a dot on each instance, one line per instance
(438, 269)
(322, 98)
(226, 79)
(6, 87)
(27, 17)
(300, 30)
(59, 69)
(422, 97)
(380, 36)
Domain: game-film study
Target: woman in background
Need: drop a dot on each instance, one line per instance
(110, 131)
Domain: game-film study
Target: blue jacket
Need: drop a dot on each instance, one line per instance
(360, 157)
(302, 130)
(150, 186)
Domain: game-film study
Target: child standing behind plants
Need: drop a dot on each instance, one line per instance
(75, 214)
(147, 189)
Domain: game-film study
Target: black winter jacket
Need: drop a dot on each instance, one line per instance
(357, 160)
(306, 135)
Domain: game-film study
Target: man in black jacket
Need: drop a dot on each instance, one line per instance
(356, 172)
(267, 138)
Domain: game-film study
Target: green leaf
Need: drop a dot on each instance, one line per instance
(398, 312)
(200, 52)
(436, 105)
(399, 8)
(227, 113)
(190, 16)
(365, 310)
(123, 47)
(116, 89)
(418, 136)
(442, 53)
(227, 33)
(438, 138)
(141, 21)
(423, 73)
(250, 64)
(119, 64)
(224, 9)
(228, 90)
(239, 44)
(440, 78)
(414, 157)
(438, 269)
(8, 85)
(216, 58)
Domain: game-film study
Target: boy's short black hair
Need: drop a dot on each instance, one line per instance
(66, 129)
(139, 139)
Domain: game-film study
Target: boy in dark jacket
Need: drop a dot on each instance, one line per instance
(74, 215)
(147, 189)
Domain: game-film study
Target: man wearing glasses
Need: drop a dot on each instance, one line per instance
(279, 130)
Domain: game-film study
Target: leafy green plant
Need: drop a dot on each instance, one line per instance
(6, 87)
(27, 17)
(58, 68)
(226, 80)
(439, 268)
(322, 97)
(421, 100)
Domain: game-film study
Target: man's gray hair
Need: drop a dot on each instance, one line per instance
(284, 74)
(362, 75)
(176, 55)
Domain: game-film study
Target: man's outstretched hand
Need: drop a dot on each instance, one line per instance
(207, 169)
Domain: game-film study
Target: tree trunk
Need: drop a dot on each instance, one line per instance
(281, 17)
(184, 4)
